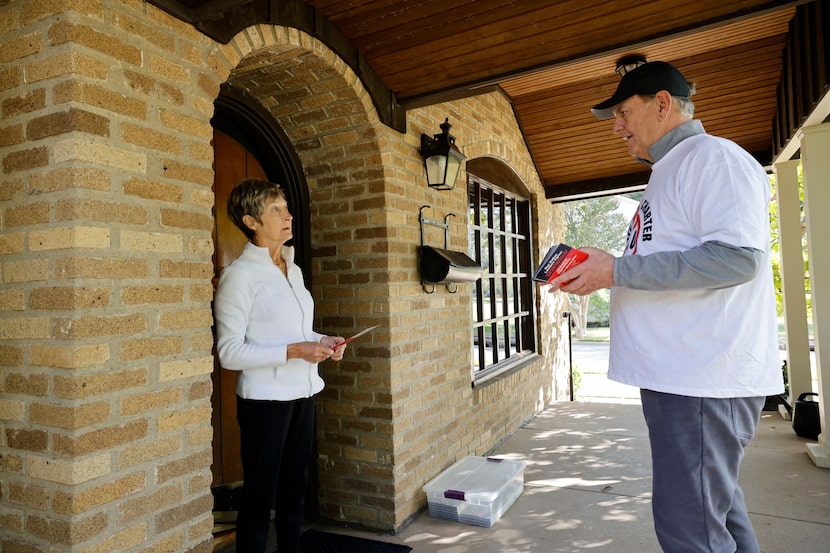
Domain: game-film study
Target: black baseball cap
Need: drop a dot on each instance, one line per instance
(649, 78)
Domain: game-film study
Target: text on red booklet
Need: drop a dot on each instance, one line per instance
(559, 259)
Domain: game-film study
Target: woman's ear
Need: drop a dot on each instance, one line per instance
(249, 221)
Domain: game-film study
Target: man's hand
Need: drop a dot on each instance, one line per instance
(593, 274)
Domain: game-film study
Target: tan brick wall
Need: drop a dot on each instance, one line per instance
(105, 273)
(438, 417)
(105, 267)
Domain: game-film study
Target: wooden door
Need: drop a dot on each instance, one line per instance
(232, 164)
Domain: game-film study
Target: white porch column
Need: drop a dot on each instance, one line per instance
(815, 159)
(792, 279)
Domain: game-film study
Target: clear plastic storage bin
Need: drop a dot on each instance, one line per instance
(476, 490)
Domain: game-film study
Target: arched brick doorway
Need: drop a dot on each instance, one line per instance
(247, 143)
(331, 124)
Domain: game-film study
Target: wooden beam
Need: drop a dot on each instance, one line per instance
(617, 184)
(804, 79)
(596, 187)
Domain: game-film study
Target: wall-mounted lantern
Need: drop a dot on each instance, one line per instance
(442, 158)
(629, 63)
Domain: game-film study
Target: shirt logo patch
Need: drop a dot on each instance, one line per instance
(640, 228)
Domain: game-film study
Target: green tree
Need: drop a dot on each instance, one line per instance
(596, 222)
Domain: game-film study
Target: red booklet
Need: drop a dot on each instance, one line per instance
(358, 335)
(559, 259)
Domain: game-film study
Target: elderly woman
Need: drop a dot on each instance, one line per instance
(264, 330)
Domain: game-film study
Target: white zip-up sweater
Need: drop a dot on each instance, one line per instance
(258, 313)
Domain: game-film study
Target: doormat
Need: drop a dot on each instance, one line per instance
(315, 541)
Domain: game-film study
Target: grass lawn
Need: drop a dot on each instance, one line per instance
(596, 334)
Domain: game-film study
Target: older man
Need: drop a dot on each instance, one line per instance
(693, 321)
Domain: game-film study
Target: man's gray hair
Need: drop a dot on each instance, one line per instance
(685, 106)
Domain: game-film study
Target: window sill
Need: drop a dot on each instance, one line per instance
(506, 370)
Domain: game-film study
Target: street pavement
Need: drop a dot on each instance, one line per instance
(590, 360)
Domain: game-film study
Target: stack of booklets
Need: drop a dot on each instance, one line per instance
(559, 259)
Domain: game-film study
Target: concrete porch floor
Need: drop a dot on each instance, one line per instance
(587, 488)
(588, 482)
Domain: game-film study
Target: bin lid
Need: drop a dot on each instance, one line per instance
(476, 479)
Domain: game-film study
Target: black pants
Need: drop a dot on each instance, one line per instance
(276, 451)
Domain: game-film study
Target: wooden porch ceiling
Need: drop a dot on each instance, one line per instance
(554, 60)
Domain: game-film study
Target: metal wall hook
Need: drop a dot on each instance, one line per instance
(447, 230)
(426, 221)
(443, 266)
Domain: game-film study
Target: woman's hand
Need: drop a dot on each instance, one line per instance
(313, 352)
(331, 342)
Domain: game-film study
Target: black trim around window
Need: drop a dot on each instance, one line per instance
(503, 329)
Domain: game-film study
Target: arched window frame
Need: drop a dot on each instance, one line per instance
(503, 298)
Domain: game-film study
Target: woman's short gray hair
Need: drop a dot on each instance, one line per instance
(249, 197)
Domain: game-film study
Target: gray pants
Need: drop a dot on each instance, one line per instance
(697, 445)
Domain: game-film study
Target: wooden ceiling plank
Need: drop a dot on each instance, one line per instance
(417, 24)
(556, 59)
(570, 42)
(684, 46)
(501, 34)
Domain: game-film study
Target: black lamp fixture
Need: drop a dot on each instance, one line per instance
(629, 63)
(442, 158)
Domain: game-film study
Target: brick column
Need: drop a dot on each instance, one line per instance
(105, 246)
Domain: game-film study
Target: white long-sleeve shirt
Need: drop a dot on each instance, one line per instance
(259, 312)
